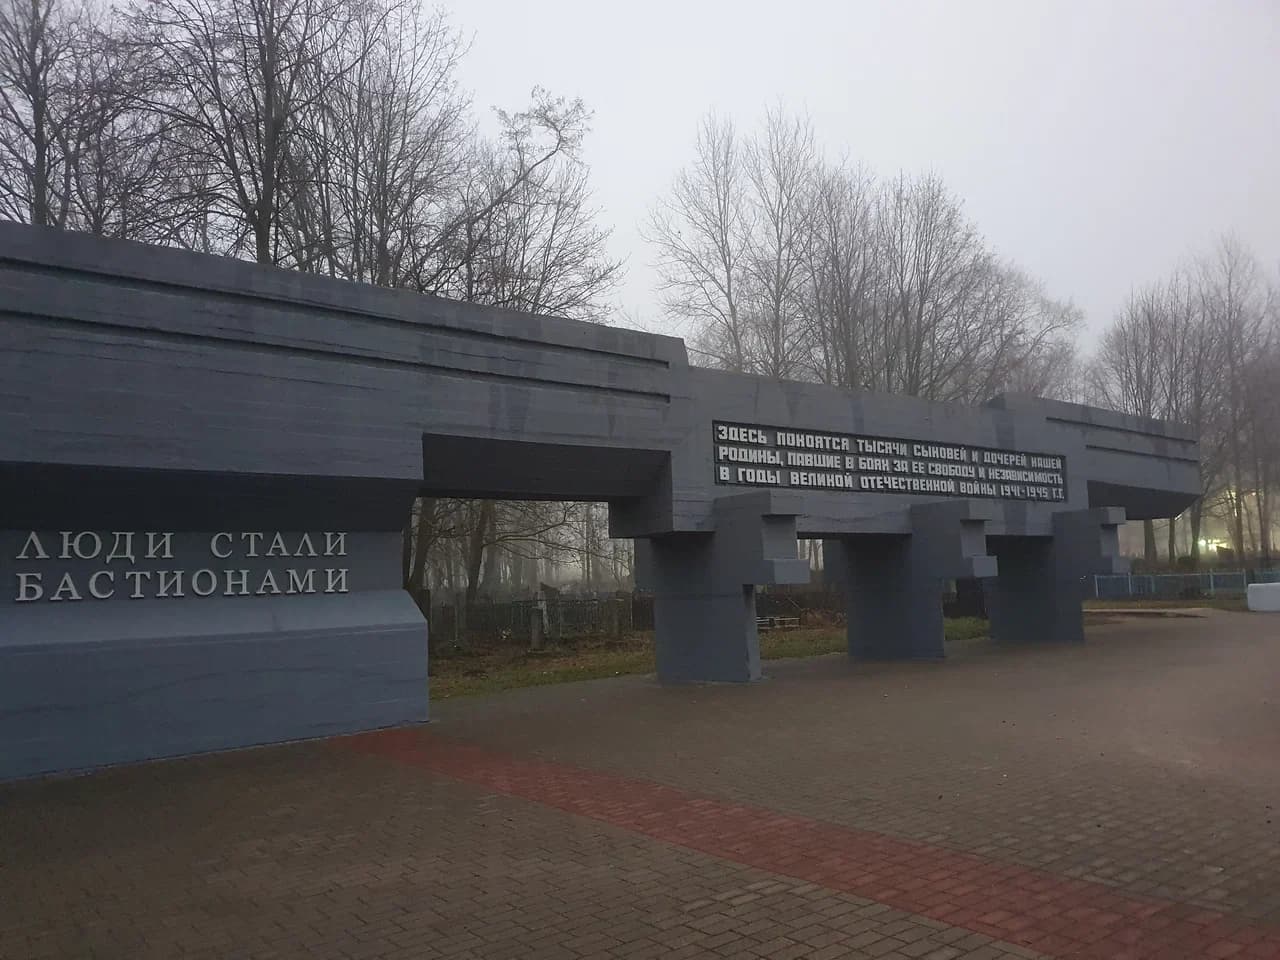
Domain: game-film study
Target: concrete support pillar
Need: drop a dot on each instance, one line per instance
(704, 608)
(893, 582)
(1043, 581)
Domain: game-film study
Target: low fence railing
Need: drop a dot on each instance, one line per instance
(572, 617)
(1178, 586)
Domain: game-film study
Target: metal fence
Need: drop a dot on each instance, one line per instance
(562, 618)
(571, 617)
(1178, 586)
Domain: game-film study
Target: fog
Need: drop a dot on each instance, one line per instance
(1095, 144)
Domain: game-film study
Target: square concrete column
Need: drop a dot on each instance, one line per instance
(1043, 581)
(704, 626)
(704, 608)
(893, 583)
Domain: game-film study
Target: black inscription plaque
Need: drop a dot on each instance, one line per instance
(759, 456)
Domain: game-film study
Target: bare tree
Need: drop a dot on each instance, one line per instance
(118, 171)
(533, 143)
(843, 274)
(780, 167)
(699, 233)
(934, 263)
(231, 79)
(1200, 349)
(1264, 406)
(38, 107)
(539, 248)
(378, 174)
(1190, 361)
(1232, 298)
(791, 267)
(1128, 373)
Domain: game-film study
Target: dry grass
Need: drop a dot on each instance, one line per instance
(507, 668)
(1225, 601)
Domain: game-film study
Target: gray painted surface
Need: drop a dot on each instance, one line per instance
(156, 390)
(704, 586)
(97, 681)
(894, 582)
(1044, 580)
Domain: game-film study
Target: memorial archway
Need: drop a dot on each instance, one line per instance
(206, 466)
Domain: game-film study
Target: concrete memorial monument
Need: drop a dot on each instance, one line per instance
(205, 466)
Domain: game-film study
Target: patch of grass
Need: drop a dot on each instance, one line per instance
(781, 644)
(966, 628)
(466, 674)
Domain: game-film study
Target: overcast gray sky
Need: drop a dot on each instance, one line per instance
(1094, 143)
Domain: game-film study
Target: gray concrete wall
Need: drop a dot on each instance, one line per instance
(189, 650)
(148, 390)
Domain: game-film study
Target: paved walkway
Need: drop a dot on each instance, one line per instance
(1108, 801)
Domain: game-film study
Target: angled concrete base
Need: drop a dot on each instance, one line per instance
(704, 606)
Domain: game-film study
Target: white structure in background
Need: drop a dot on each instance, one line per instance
(1264, 597)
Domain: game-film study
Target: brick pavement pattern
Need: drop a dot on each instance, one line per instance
(1052, 915)
(1106, 801)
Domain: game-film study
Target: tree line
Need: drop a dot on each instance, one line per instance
(326, 136)
(787, 264)
(1201, 347)
(333, 137)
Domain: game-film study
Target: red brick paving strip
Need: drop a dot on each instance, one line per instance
(1052, 915)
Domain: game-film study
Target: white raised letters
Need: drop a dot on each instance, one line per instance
(125, 545)
(93, 585)
(66, 585)
(29, 587)
(209, 587)
(32, 541)
(119, 551)
(170, 583)
(156, 542)
(237, 583)
(138, 576)
(305, 584)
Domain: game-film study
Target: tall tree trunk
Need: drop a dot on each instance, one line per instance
(1173, 541)
(1237, 525)
(491, 578)
(1264, 528)
(423, 541)
(1196, 516)
(475, 548)
(1149, 552)
(1237, 496)
(1263, 503)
